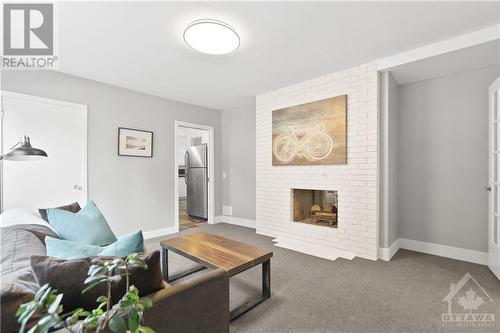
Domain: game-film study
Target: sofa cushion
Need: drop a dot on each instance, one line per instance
(67, 276)
(63, 249)
(18, 284)
(74, 208)
(87, 226)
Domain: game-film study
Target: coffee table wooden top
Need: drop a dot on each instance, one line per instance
(217, 252)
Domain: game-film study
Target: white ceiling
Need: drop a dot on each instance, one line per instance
(138, 45)
(470, 58)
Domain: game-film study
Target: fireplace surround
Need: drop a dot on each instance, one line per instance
(356, 182)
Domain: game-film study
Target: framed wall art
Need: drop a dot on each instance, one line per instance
(311, 134)
(134, 142)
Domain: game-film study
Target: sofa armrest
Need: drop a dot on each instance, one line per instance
(199, 304)
(196, 305)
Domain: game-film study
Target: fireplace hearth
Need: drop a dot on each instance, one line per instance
(318, 207)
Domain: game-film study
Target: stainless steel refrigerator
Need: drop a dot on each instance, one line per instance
(196, 163)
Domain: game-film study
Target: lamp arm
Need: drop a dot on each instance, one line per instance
(14, 146)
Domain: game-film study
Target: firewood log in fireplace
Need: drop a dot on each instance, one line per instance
(331, 218)
(315, 209)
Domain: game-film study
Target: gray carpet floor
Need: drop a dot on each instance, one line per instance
(311, 294)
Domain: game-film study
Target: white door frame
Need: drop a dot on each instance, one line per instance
(84, 112)
(211, 171)
(494, 185)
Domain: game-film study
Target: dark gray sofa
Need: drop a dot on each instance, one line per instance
(197, 304)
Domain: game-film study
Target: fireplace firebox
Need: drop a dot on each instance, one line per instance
(318, 207)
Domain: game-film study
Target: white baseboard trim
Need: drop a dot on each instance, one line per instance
(218, 219)
(386, 253)
(159, 232)
(458, 253)
(236, 221)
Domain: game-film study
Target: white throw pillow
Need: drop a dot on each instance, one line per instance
(22, 216)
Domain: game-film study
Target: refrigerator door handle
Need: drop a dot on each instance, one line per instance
(186, 165)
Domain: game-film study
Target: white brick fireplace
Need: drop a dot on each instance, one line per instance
(356, 182)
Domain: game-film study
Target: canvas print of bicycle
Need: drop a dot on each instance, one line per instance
(311, 134)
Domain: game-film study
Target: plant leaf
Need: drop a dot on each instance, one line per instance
(96, 269)
(132, 256)
(102, 299)
(146, 329)
(90, 321)
(118, 325)
(41, 292)
(115, 278)
(133, 320)
(43, 296)
(55, 304)
(94, 278)
(125, 304)
(24, 321)
(43, 325)
(117, 261)
(92, 286)
(147, 303)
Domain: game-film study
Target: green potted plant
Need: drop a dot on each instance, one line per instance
(125, 316)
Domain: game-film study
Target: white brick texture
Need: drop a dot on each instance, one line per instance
(356, 181)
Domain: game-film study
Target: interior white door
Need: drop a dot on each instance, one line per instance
(494, 170)
(59, 128)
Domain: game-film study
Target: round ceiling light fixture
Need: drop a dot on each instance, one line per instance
(211, 37)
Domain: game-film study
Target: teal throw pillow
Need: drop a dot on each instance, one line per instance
(88, 226)
(64, 249)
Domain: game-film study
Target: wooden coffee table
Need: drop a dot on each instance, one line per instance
(215, 251)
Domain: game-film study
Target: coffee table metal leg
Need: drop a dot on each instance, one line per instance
(164, 260)
(185, 273)
(266, 293)
(174, 277)
(266, 279)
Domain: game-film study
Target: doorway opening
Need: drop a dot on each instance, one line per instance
(193, 175)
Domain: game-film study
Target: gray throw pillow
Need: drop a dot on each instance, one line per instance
(67, 276)
(74, 208)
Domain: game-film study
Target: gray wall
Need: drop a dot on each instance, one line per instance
(389, 148)
(443, 159)
(384, 159)
(393, 101)
(132, 192)
(238, 160)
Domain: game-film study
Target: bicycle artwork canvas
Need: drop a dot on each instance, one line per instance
(314, 133)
